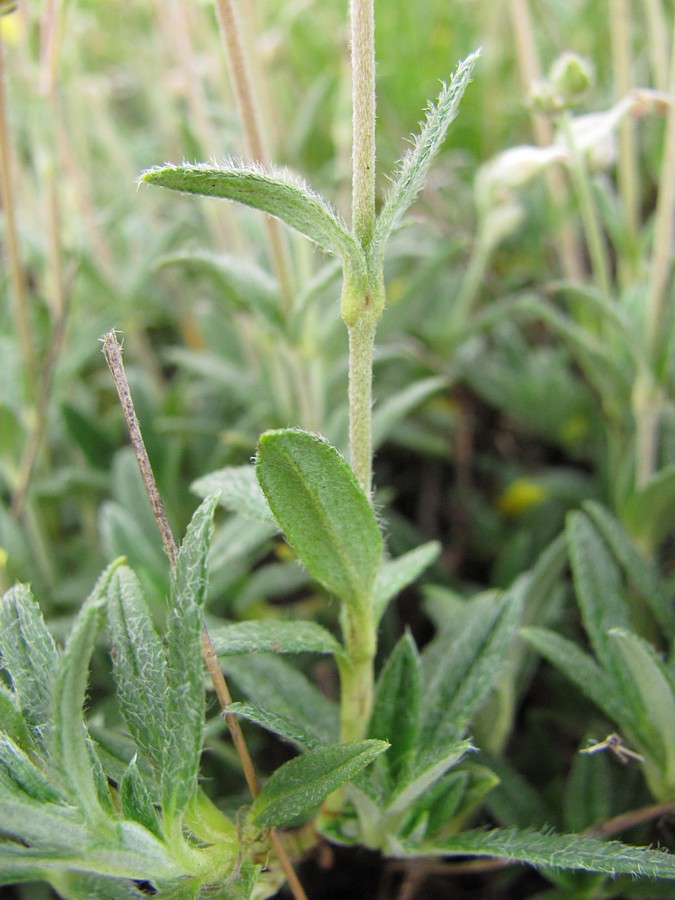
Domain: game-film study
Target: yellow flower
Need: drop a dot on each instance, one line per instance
(520, 496)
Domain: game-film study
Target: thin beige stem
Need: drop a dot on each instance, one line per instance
(568, 247)
(619, 18)
(248, 110)
(16, 273)
(663, 228)
(657, 28)
(113, 354)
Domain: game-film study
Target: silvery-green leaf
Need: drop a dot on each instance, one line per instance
(424, 773)
(28, 653)
(274, 191)
(136, 802)
(139, 666)
(185, 705)
(271, 636)
(271, 683)
(12, 722)
(239, 492)
(557, 851)
(411, 176)
(292, 730)
(21, 769)
(68, 736)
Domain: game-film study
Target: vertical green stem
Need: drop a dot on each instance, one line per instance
(361, 346)
(587, 209)
(363, 136)
(619, 17)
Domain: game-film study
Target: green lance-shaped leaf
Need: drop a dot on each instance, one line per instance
(274, 191)
(322, 511)
(294, 731)
(21, 769)
(185, 669)
(458, 678)
(136, 802)
(396, 574)
(655, 691)
(239, 492)
(557, 851)
(139, 667)
(598, 586)
(68, 737)
(641, 573)
(302, 783)
(583, 671)
(648, 512)
(29, 655)
(425, 773)
(273, 637)
(12, 722)
(396, 708)
(412, 174)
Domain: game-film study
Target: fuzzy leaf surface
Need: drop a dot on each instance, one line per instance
(412, 174)
(139, 666)
(303, 782)
(396, 574)
(28, 654)
(583, 671)
(21, 769)
(322, 511)
(273, 637)
(558, 851)
(641, 573)
(293, 731)
(458, 678)
(274, 685)
(186, 700)
(396, 707)
(239, 492)
(274, 191)
(68, 737)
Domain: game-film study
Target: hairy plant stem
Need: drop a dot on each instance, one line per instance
(361, 347)
(248, 110)
(363, 119)
(113, 354)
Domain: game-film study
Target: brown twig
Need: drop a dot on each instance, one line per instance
(113, 354)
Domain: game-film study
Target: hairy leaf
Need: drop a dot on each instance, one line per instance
(396, 574)
(274, 191)
(29, 655)
(410, 178)
(239, 492)
(323, 512)
(274, 637)
(302, 783)
(185, 670)
(139, 667)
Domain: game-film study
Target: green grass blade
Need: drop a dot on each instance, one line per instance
(302, 783)
(322, 511)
